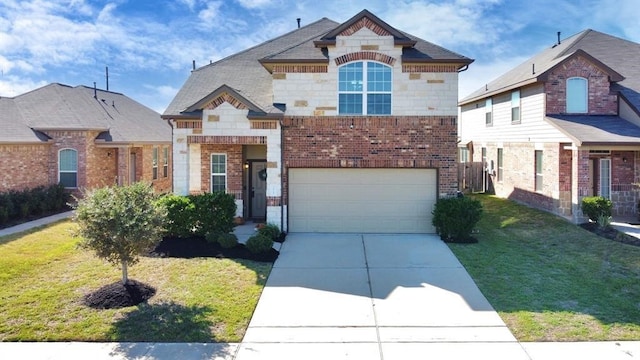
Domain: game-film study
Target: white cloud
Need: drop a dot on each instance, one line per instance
(211, 13)
(11, 86)
(253, 4)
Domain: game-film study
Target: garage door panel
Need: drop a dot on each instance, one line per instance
(362, 200)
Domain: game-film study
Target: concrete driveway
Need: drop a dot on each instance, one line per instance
(368, 296)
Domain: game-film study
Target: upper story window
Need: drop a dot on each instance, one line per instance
(488, 112)
(364, 88)
(577, 94)
(165, 161)
(515, 107)
(68, 168)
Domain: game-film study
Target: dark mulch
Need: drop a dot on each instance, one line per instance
(611, 233)
(119, 295)
(193, 247)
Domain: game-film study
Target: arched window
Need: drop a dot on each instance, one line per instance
(364, 88)
(68, 168)
(577, 92)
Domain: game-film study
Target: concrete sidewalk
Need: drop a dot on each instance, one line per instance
(35, 223)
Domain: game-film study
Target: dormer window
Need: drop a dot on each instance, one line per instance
(577, 94)
(364, 88)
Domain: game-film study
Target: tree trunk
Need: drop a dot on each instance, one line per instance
(125, 277)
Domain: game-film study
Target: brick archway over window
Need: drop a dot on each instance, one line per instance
(365, 55)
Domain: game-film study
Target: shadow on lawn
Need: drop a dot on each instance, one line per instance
(164, 322)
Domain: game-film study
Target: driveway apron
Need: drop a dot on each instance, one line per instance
(370, 296)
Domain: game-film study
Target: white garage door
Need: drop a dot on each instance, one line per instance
(362, 200)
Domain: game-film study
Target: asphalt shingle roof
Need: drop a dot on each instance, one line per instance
(596, 129)
(57, 106)
(618, 54)
(244, 73)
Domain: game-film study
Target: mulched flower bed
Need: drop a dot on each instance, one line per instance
(119, 295)
(193, 247)
(611, 233)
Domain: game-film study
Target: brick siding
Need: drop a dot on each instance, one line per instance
(373, 142)
(24, 166)
(600, 101)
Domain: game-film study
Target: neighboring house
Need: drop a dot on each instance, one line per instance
(83, 138)
(332, 127)
(563, 125)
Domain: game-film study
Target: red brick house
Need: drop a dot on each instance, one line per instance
(83, 138)
(332, 127)
(563, 125)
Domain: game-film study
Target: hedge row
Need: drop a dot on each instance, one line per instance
(21, 205)
(198, 214)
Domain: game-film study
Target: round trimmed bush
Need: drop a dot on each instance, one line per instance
(212, 236)
(227, 240)
(259, 243)
(271, 231)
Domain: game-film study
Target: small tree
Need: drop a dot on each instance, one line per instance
(120, 223)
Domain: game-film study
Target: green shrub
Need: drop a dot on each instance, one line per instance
(214, 212)
(227, 240)
(180, 215)
(454, 218)
(212, 237)
(271, 231)
(596, 207)
(259, 243)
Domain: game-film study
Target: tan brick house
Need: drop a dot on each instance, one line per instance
(332, 127)
(83, 138)
(563, 125)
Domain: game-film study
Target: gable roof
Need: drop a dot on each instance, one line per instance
(614, 55)
(245, 74)
(62, 107)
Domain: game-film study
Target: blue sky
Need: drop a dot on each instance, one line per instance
(149, 46)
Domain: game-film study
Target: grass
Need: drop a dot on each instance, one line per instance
(43, 277)
(551, 280)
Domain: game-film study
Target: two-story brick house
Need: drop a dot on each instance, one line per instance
(83, 138)
(332, 127)
(563, 125)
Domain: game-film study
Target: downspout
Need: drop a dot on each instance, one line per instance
(282, 178)
(172, 157)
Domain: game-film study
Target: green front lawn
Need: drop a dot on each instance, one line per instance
(550, 280)
(43, 277)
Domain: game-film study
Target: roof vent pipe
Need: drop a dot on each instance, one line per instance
(558, 37)
(533, 69)
(106, 68)
(194, 65)
(95, 91)
(298, 20)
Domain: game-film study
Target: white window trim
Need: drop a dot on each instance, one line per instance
(165, 161)
(488, 109)
(66, 171)
(154, 163)
(365, 91)
(608, 185)
(218, 174)
(519, 106)
(541, 174)
(586, 96)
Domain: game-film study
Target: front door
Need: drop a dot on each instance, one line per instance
(258, 193)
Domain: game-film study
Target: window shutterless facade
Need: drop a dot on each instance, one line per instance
(155, 162)
(364, 88)
(538, 181)
(218, 172)
(577, 95)
(515, 107)
(165, 161)
(68, 168)
(488, 112)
